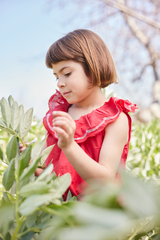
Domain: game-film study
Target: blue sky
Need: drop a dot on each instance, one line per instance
(28, 28)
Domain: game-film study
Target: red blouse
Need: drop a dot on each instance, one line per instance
(89, 134)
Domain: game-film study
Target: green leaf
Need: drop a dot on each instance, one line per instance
(9, 175)
(21, 111)
(32, 203)
(6, 198)
(24, 159)
(6, 111)
(6, 217)
(26, 122)
(69, 196)
(1, 154)
(47, 172)
(44, 220)
(24, 182)
(98, 223)
(15, 116)
(45, 153)
(28, 236)
(11, 150)
(8, 236)
(51, 227)
(30, 170)
(140, 235)
(139, 196)
(31, 219)
(156, 236)
(60, 185)
(34, 188)
(109, 218)
(10, 100)
(2, 124)
(8, 130)
(37, 150)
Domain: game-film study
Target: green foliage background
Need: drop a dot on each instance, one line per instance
(33, 208)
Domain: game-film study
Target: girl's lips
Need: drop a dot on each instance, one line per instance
(66, 93)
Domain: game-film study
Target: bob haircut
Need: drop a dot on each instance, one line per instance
(85, 47)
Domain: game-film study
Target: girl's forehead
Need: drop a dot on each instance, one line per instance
(57, 67)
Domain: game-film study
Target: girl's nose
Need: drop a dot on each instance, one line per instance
(60, 83)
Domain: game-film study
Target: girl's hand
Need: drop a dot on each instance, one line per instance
(64, 126)
(22, 147)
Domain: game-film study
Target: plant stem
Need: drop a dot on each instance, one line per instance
(1, 236)
(18, 221)
(17, 185)
(14, 133)
(29, 230)
(15, 233)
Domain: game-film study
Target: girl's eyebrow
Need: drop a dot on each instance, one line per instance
(62, 69)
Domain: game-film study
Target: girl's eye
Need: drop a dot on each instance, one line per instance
(67, 74)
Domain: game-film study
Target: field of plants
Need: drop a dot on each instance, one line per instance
(32, 207)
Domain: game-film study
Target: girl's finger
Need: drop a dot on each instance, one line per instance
(21, 145)
(64, 125)
(60, 133)
(64, 119)
(22, 149)
(61, 114)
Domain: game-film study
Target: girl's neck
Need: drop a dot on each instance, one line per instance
(95, 98)
(92, 102)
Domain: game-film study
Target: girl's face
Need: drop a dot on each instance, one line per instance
(72, 81)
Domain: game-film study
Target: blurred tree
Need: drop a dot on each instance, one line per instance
(131, 28)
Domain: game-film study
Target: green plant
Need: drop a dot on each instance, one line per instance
(32, 207)
(27, 200)
(144, 154)
(126, 211)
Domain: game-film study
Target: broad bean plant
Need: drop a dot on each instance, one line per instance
(33, 208)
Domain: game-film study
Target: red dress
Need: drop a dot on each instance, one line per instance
(89, 134)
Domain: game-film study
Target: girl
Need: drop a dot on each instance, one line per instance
(90, 133)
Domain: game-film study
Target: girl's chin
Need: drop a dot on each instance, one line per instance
(70, 101)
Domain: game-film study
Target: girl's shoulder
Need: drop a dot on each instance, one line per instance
(95, 122)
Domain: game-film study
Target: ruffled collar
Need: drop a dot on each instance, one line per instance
(91, 124)
(58, 103)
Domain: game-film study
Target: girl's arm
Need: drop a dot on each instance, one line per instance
(116, 136)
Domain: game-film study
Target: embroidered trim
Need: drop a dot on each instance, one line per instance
(51, 128)
(104, 119)
(89, 130)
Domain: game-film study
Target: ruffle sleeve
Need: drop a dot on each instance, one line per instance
(92, 123)
(96, 121)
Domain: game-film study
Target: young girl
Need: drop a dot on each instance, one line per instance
(90, 133)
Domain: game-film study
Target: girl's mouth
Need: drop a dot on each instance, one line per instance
(66, 93)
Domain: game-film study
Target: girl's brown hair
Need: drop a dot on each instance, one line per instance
(87, 48)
